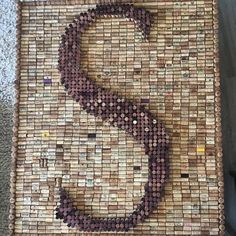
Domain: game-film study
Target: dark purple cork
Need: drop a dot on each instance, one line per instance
(47, 81)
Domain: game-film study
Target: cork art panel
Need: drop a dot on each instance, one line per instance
(130, 146)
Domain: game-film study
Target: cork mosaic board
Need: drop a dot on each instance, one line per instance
(57, 144)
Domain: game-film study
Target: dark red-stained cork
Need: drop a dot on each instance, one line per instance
(120, 112)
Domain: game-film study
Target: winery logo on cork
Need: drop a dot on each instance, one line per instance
(119, 112)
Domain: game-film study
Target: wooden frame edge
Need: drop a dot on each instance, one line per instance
(218, 137)
(15, 123)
